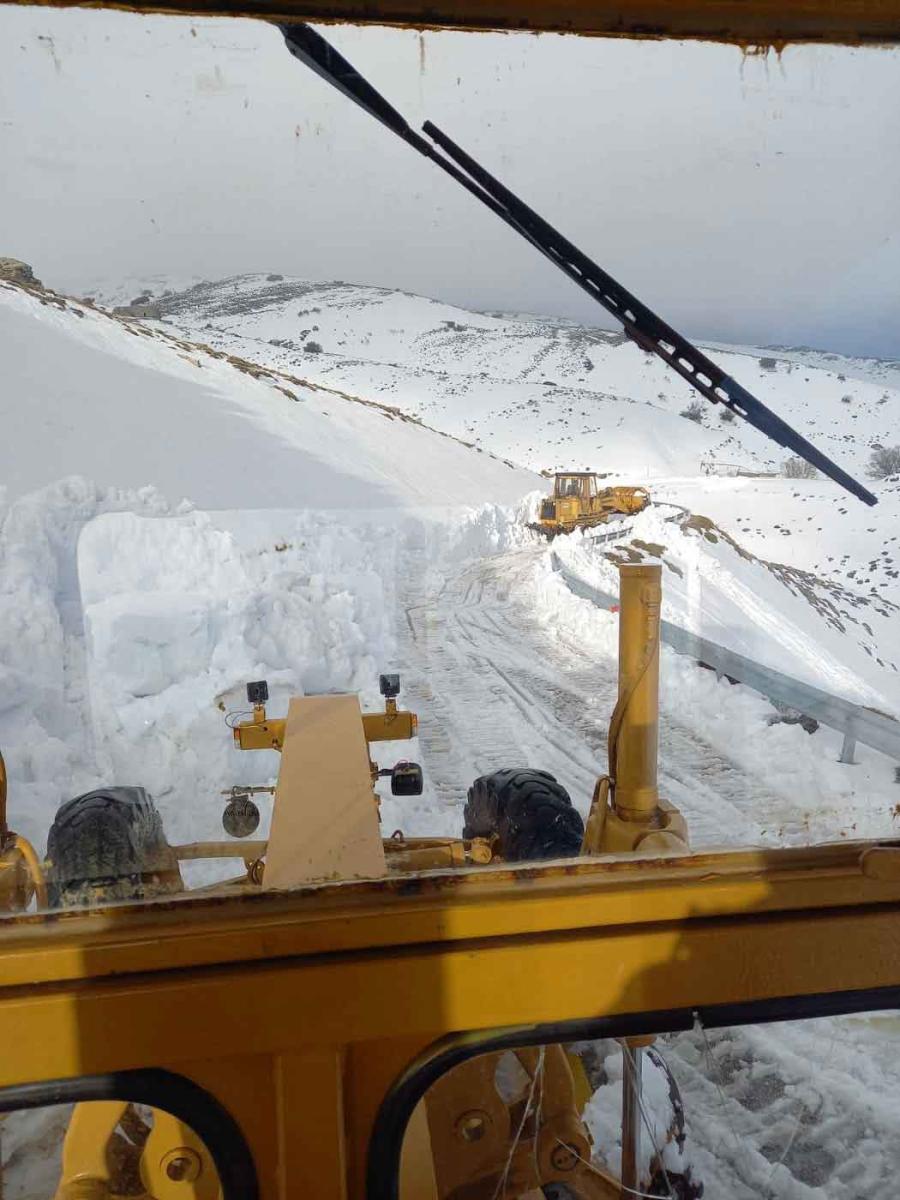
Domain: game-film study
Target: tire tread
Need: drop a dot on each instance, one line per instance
(528, 811)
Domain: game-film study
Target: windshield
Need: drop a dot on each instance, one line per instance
(246, 454)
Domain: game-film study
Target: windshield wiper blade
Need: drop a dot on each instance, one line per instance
(641, 324)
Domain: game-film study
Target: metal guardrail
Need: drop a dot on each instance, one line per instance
(618, 530)
(856, 722)
(709, 466)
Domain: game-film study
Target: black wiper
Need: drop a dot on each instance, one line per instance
(641, 324)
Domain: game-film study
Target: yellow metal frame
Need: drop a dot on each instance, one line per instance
(263, 732)
(310, 1014)
(272, 1000)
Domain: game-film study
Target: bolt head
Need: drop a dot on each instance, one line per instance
(472, 1126)
(182, 1165)
(564, 1158)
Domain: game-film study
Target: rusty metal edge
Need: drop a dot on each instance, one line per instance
(753, 25)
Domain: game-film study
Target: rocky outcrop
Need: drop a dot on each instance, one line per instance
(17, 271)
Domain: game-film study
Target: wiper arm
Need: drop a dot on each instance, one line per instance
(641, 324)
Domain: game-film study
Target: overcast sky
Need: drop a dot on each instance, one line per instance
(747, 199)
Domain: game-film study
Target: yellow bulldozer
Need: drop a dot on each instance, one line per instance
(579, 502)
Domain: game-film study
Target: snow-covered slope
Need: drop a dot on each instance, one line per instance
(547, 393)
(553, 394)
(221, 433)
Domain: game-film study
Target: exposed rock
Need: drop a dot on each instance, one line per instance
(18, 272)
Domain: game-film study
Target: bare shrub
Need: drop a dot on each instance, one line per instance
(885, 461)
(726, 415)
(313, 348)
(799, 468)
(694, 411)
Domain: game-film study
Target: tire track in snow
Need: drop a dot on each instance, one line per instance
(497, 686)
(792, 1111)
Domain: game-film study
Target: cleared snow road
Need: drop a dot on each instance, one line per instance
(495, 685)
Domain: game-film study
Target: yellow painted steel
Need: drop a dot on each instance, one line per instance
(634, 727)
(21, 873)
(85, 1171)
(36, 883)
(472, 950)
(579, 502)
(267, 733)
(626, 812)
(473, 1130)
(175, 1164)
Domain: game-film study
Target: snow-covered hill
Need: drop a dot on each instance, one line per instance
(812, 628)
(547, 393)
(128, 406)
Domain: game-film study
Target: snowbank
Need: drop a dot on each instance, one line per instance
(792, 620)
(774, 784)
(124, 636)
(129, 628)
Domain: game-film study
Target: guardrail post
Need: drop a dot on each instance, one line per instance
(848, 748)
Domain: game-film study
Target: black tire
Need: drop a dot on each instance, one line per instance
(109, 845)
(530, 814)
